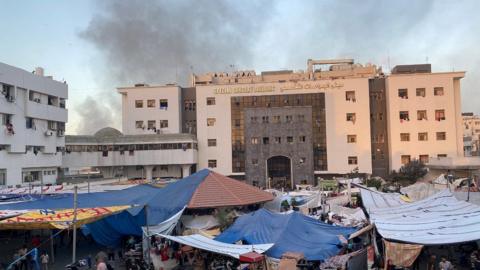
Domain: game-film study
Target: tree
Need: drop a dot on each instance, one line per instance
(410, 172)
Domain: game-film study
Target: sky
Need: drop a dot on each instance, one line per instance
(97, 46)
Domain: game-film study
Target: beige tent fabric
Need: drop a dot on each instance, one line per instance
(403, 255)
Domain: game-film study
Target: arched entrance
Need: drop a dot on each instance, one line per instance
(279, 172)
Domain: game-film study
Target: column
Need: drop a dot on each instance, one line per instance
(186, 170)
(148, 171)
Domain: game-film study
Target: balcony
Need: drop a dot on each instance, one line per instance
(47, 112)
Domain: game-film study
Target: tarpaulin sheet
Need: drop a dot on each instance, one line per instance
(162, 203)
(62, 219)
(204, 243)
(438, 219)
(289, 232)
(11, 213)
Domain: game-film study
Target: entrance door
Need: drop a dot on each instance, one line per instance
(279, 172)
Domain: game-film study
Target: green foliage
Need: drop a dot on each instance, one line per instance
(224, 217)
(375, 182)
(410, 172)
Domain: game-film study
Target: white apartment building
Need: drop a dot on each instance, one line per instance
(471, 134)
(33, 117)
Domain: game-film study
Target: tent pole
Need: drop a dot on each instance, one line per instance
(74, 249)
(51, 246)
(148, 233)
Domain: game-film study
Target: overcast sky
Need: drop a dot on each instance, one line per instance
(97, 46)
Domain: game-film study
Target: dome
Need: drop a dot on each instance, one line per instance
(108, 132)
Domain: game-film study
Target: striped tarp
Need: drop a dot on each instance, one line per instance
(438, 219)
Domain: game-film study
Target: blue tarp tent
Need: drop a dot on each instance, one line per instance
(162, 203)
(293, 232)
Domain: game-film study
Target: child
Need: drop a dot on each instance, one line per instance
(44, 258)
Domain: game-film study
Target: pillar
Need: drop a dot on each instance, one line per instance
(148, 172)
(186, 170)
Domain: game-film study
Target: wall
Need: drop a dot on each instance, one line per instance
(130, 113)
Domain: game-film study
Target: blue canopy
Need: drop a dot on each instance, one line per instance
(293, 232)
(160, 203)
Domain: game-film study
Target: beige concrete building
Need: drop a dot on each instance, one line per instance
(471, 134)
(281, 128)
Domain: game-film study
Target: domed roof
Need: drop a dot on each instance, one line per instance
(108, 132)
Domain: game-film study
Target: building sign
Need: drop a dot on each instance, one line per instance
(281, 88)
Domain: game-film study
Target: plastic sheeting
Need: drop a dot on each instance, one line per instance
(372, 199)
(289, 233)
(204, 222)
(204, 243)
(438, 219)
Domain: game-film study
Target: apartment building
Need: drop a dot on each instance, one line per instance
(471, 134)
(33, 115)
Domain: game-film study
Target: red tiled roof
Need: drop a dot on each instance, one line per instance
(218, 190)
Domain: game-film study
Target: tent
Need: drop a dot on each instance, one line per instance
(438, 219)
(289, 232)
(152, 205)
(205, 243)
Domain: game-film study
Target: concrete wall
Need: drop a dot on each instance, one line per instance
(450, 102)
(131, 114)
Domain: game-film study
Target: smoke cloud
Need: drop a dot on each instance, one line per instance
(94, 115)
(164, 41)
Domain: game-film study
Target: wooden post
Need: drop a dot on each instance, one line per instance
(52, 249)
(74, 249)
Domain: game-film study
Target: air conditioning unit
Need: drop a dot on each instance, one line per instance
(10, 98)
(48, 133)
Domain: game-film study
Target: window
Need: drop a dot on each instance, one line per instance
(403, 93)
(441, 136)
(105, 153)
(253, 119)
(211, 122)
(52, 125)
(151, 103)
(350, 96)
(301, 118)
(212, 163)
(302, 160)
(139, 124)
(352, 160)
(438, 91)
(264, 119)
(423, 136)
(138, 103)
(163, 104)
(131, 152)
(289, 139)
(380, 116)
(441, 155)
(212, 142)
(210, 101)
(423, 158)
(30, 123)
(189, 105)
(6, 119)
(439, 115)
(351, 138)
(351, 117)
(151, 124)
(254, 140)
(266, 140)
(255, 161)
(163, 123)
(237, 122)
(421, 92)
(302, 139)
(276, 119)
(422, 115)
(404, 116)
(405, 159)
(404, 137)
(288, 118)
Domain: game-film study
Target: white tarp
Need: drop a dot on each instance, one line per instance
(203, 222)
(205, 243)
(420, 191)
(11, 213)
(165, 227)
(372, 199)
(438, 219)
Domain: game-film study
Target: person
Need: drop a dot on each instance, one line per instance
(16, 256)
(101, 256)
(431, 262)
(23, 261)
(445, 264)
(475, 259)
(111, 254)
(36, 241)
(101, 265)
(198, 262)
(44, 258)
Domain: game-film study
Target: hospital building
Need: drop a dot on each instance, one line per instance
(282, 128)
